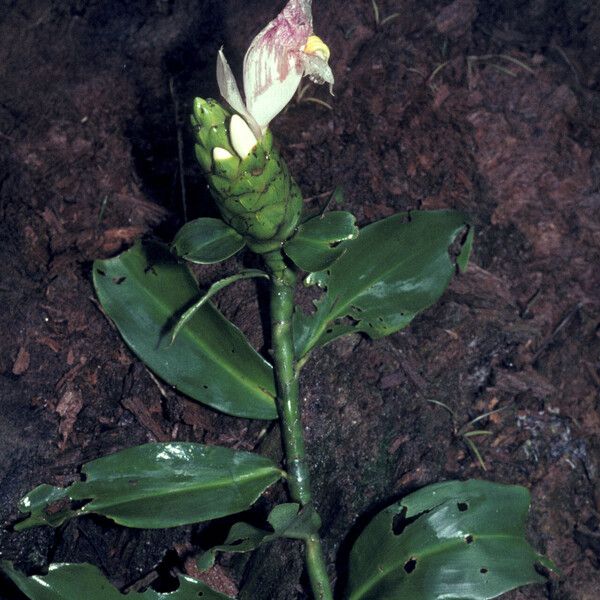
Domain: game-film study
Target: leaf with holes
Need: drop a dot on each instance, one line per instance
(205, 241)
(157, 485)
(393, 270)
(315, 245)
(66, 581)
(452, 540)
(145, 291)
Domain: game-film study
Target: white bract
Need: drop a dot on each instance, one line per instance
(278, 57)
(242, 138)
(221, 154)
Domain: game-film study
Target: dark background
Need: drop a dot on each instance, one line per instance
(490, 107)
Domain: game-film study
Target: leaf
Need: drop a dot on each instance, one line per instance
(212, 290)
(242, 537)
(83, 581)
(336, 198)
(457, 541)
(144, 291)
(38, 500)
(462, 260)
(290, 521)
(157, 485)
(286, 521)
(315, 245)
(393, 270)
(205, 241)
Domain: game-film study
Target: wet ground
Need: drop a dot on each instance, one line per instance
(493, 110)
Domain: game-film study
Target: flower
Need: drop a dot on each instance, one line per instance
(278, 57)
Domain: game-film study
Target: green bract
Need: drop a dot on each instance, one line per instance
(255, 194)
(316, 244)
(206, 241)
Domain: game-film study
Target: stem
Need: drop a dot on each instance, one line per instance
(283, 281)
(317, 570)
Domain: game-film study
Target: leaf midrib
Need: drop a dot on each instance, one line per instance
(226, 366)
(341, 309)
(239, 480)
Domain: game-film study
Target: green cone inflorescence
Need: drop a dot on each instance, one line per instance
(249, 180)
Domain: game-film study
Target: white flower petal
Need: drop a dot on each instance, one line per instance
(228, 85)
(242, 138)
(230, 91)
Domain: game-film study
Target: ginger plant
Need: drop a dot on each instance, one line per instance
(458, 539)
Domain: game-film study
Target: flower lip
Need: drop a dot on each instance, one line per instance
(277, 59)
(315, 45)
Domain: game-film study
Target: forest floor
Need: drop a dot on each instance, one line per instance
(491, 108)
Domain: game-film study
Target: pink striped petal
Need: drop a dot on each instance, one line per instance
(273, 65)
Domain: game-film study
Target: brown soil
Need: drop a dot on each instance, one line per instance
(447, 104)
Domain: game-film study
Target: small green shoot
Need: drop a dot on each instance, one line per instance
(465, 433)
(491, 59)
(302, 97)
(380, 22)
(318, 101)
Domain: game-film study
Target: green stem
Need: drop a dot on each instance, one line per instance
(317, 570)
(283, 281)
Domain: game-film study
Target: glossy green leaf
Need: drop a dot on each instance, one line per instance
(393, 270)
(315, 245)
(212, 290)
(144, 291)
(449, 541)
(205, 241)
(286, 521)
(83, 581)
(157, 485)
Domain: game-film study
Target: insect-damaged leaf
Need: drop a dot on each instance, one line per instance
(393, 270)
(449, 540)
(145, 291)
(315, 245)
(205, 241)
(157, 485)
(66, 581)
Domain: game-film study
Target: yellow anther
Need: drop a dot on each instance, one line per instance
(315, 45)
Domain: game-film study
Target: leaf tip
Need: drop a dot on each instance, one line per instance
(462, 260)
